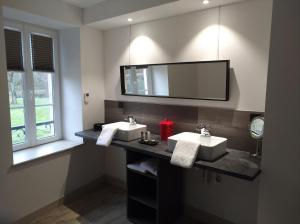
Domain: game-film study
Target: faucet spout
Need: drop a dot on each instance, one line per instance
(131, 120)
(203, 130)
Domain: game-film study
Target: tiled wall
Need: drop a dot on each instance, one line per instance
(227, 123)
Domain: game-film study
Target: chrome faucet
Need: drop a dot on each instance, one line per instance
(131, 120)
(203, 129)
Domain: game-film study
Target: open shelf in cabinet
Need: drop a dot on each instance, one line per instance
(142, 189)
(141, 214)
(149, 175)
(151, 198)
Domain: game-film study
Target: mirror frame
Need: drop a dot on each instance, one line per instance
(123, 91)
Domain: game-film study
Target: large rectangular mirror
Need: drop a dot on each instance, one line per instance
(207, 80)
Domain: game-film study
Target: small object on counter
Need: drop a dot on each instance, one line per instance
(152, 142)
(149, 135)
(142, 136)
(166, 129)
(98, 126)
(146, 137)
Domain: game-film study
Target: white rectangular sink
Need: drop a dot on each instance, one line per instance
(127, 132)
(212, 147)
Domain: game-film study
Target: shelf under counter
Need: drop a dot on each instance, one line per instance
(140, 214)
(142, 189)
(144, 174)
(235, 163)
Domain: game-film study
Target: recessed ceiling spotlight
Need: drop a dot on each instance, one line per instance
(130, 19)
(205, 2)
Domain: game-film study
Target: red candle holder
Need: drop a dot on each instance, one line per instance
(166, 129)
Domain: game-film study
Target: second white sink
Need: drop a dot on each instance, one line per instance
(126, 131)
(212, 147)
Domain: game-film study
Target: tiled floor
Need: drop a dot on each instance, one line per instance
(105, 206)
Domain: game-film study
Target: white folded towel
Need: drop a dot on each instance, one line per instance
(185, 153)
(137, 166)
(147, 166)
(150, 165)
(106, 135)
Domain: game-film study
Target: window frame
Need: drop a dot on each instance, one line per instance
(28, 84)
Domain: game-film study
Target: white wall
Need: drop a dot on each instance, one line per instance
(279, 200)
(244, 39)
(5, 137)
(27, 188)
(114, 8)
(81, 72)
(92, 70)
(71, 86)
(54, 10)
(30, 187)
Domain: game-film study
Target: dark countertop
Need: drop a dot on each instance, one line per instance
(235, 163)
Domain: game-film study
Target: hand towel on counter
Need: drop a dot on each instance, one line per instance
(185, 153)
(106, 135)
(150, 165)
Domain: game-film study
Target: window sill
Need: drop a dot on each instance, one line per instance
(42, 151)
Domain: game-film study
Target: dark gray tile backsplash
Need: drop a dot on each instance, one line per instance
(228, 123)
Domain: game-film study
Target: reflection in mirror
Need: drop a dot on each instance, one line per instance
(192, 80)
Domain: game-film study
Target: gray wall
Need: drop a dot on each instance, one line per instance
(279, 200)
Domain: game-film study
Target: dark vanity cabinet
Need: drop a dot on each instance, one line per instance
(157, 199)
(153, 199)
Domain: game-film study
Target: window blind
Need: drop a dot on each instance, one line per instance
(14, 53)
(42, 53)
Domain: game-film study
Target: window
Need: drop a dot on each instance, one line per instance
(33, 84)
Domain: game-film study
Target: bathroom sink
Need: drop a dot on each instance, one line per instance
(211, 149)
(127, 132)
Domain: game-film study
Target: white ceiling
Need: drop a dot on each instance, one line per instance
(159, 12)
(83, 3)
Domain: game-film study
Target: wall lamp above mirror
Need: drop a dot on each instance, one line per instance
(202, 80)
